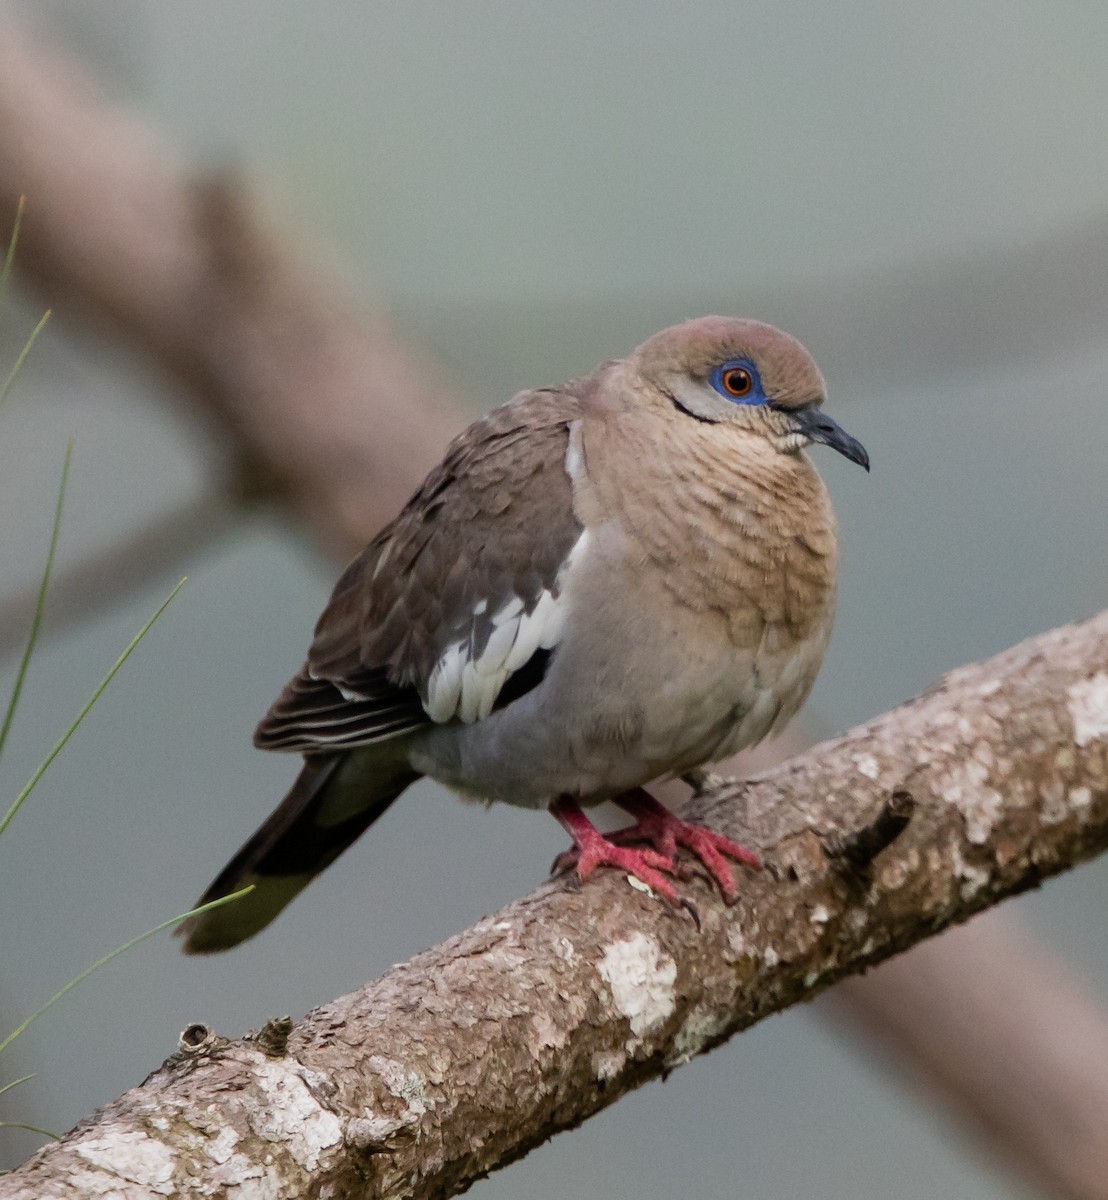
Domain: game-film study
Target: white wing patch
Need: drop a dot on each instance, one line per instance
(575, 455)
(347, 693)
(463, 686)
(444, 688)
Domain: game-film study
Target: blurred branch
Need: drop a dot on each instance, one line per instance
(130, 565)
(1007, 1036)
(463, 1059)
(322, 402)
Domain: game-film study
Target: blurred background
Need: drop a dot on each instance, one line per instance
(918, 192)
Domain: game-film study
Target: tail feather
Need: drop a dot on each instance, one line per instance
(335, 799)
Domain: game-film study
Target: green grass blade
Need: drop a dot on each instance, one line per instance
(13, 241)
(16, 1082)
(31, 1129)
(60, 744)
(40, 604)
(100, 962)
(9, 383)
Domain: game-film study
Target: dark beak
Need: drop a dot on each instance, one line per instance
(814, 424)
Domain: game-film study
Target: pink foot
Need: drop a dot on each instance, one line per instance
(592, 849)
(654, 823)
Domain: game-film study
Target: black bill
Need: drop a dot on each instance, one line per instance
(815, 424)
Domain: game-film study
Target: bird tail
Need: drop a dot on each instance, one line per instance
(335, 799)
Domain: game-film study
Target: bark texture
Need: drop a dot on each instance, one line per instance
(464, 1058)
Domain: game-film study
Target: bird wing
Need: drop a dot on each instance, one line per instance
(453, 609)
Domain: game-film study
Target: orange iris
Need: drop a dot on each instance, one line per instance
(737, 382)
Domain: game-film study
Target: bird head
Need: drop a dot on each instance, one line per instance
(746, 374)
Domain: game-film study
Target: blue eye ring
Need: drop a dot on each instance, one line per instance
(738, 381)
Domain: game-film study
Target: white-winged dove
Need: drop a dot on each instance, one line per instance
(603, 583)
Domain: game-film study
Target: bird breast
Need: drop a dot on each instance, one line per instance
(730, 553)
(714, 515)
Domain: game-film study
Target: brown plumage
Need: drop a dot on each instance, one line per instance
(602, 583)
(477, 530)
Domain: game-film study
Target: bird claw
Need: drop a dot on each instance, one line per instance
(643, 865)
(657, 826)
(693, 912)
(713, 850)
(651, 846)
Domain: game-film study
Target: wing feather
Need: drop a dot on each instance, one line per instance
(455, 596)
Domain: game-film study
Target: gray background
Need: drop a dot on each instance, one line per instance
(918, 192)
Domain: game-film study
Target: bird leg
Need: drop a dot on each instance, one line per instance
(656, 825)
(591, 849)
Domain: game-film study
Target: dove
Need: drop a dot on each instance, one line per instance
(603, 583)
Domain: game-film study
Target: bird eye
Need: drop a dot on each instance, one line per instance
(737, 382)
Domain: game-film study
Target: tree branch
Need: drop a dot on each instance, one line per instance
(319, 401)
(461, 1060)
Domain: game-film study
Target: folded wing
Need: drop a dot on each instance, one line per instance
(455, 607)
